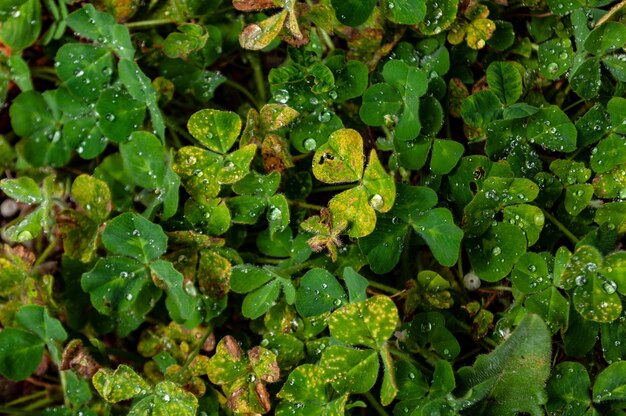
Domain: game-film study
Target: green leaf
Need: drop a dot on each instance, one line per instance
(35, 318)
(552, 128)
(356, 285)
(405, 12)
(495, 253)
(380, 102)
(190, 37)
(355, 207)
(353, 12)
(23, 26)
(256, 184)
(389, 387)
(412, 83)
(228, 363)
(384, 245)
(610, 383)
(446, 154)
(236, 164)
(530, 274)
(569, 387)
(140, 87)
(585, 78)
(120, 114)
(130, 234)
(245, 278)
(216, 130)
(555, 58)
(505, 81)
(551, 306)
(259, 301)
(102, 28)
(20, 353)
(606, 38)
(257, 36)
(120, 284)
(433, 288)
(198, 170)
(340, 159)
(179, 301)
(22, 189)
(85, 69)
(319, 292)
(276, 116)
(442, 235)
(481, 108)
(350, 370)
(168, 399)
(119, 385)
(28, 227)
(143, 159)
(370, 322)
(439, 16)
(513, 375)
(609, 153)
(616, 109)
(428, 330)
(246, 209)
(278, 214)
(351, 78)
(93, 196)
(595, 299)
(577, 197)
(527, 217)
(380, 187)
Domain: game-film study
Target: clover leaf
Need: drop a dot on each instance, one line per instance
(396, 101)
(243, 376)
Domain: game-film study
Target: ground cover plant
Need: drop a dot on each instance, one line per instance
(333, 207)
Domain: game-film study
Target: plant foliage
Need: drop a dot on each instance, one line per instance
(313, 207)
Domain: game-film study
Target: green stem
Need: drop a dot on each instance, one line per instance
(11, 411)
(27, 398)
(40, 404)
(383, 287)
(500, 288)
(467, 329)
(611, 12)
(406, 357)
(574, 104)
(259, 79)
(297, 267)
(66, 400)
(561, 227)
(244, 91)
(46, 253)
(332, 188)
(148, 23)
(300, 204)
(377, 406)
(194, 353)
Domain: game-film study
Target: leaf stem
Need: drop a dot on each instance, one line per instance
(244, 91)
(560, 226)
(194, 353)
(377, 406)
(383, 287)
(148, 23)
(27, 398)
(259, 79)
(301, 204)
(610, 13)
(45, 254)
